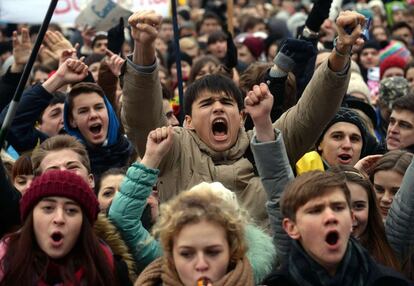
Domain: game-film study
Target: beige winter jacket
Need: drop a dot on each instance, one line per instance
(190, 161)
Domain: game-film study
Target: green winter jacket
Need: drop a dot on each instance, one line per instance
(129, 203)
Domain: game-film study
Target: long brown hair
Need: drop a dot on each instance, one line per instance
(373, 238)
(396, 160)
(25, 262)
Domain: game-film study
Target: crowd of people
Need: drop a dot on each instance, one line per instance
(288, 160)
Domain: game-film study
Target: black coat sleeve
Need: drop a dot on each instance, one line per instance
(22, 134)
(9, 203)
(8, 85)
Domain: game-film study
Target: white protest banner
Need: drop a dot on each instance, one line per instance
(102, 15)
(34, 11)
(160, 6)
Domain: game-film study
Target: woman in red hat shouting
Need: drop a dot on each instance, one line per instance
(56, 244)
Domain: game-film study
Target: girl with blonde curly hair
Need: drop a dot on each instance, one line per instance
(202, 237)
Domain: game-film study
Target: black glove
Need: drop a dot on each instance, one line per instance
(116, 37)
(230, 61)
(293, 52)
(318, 14)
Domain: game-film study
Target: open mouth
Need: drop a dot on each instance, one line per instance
(345, 158)
(95, 128)
(57, 236)
(219, 127)
(332, 238)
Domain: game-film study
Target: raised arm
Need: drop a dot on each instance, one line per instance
(129, 203)
(271, 161)
(22, 48)
(142, 96)
(23, 134)
(398, 224)
(302, 125)
(71, 71)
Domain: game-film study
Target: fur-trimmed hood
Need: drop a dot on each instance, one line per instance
(261, 252)
(106, 231)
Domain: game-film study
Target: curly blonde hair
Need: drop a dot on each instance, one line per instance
(202, 204)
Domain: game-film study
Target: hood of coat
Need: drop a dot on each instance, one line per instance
(113, 125)
(107, 232)
(261, 252)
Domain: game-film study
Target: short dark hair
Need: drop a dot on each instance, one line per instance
(217, 36)
(58, 97)
(251, 22)
(99, 36)
(208, 15)
(215, 84)
(401, 25)
(311, 185)
(405, 102)
(199, 63)
(109, 172)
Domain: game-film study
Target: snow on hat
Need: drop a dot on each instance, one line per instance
(60, 184)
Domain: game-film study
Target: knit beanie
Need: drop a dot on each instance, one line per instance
(60, 184)
(358, 85)
(395, 48)
(371, 44)
(391, 62)
(348, 115)
(255, 45)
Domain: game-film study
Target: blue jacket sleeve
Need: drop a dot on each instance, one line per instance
(127, 208)
(398, 224)
(275, 172)
(23, 135)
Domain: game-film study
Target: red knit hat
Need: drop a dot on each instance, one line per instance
(392, 61)
(60, 184)
(255, 45)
